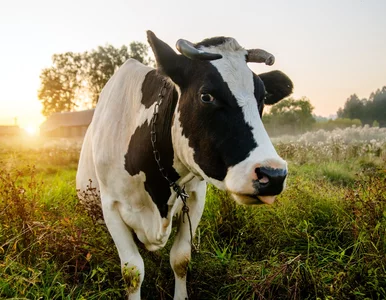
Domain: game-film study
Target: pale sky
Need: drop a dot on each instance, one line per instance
(329, 48)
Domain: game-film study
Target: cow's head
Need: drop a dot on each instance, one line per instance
(217, 131)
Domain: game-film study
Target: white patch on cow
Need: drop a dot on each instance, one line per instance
(235, 72)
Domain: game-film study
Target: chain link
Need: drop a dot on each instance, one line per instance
(181, 193)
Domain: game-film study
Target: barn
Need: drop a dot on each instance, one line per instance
(67, 124)
(10, 130)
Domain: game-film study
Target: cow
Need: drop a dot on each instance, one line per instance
(160, 135)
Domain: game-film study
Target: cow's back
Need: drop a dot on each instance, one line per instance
(117, 114)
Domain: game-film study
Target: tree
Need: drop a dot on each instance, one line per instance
(139, 51)
(377, 107)
(60, 83)
(367, 110)
(100, 65)
(289, 116)
(76, 79)
(354, 108)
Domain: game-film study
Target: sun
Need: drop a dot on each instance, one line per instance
(30, 130)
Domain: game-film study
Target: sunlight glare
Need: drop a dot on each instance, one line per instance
(30, 130)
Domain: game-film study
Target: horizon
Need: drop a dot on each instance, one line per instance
(330, 50)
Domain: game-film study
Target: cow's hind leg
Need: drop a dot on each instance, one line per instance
(181, 250)
(133, 270)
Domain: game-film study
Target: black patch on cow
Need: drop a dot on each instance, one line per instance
(278, 86)
(215, 41)
(149, 87)
(259, 91)
(217, 131)
(140, 157)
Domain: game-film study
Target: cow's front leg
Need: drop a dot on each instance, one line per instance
(133, 270)
(181, 249)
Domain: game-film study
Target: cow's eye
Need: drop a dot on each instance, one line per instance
(207, 98)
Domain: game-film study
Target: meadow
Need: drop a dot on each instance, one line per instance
(324, 237)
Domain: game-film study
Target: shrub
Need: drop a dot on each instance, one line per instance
(340, 123)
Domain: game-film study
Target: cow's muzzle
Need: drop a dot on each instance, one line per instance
(270, 181)
(267, 183)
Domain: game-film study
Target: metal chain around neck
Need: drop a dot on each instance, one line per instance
(180, 191)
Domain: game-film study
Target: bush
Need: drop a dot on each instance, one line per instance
(337, 123)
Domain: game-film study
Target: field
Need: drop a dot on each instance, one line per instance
(324, 238)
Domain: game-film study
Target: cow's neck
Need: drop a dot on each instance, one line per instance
(162, 126)
(140, 157)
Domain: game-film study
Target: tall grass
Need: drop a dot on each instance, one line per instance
(324, 238)
(49, 246)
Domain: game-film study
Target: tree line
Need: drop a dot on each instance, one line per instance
(289, 116)
(294, 116)
(75, 80)
(370, 111)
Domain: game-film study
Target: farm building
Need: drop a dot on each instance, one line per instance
(67, 124)
(10, 130)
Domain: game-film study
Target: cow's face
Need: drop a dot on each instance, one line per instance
(218, 133)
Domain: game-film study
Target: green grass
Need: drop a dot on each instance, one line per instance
(324, 238)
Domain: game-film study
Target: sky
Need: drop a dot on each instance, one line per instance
(330, 49)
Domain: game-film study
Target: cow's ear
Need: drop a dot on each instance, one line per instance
(168, 61)
(277, 86)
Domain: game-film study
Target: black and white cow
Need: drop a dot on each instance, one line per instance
(209, 129)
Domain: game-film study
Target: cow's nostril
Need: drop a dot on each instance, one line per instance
(258, 173)
(264, 180)
(261, 177)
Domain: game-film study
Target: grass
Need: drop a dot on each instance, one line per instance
(324, 238)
